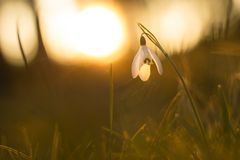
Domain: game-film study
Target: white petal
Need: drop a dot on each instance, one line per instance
(157, 61)
(144, 72)
(146, 52)
(137, 62)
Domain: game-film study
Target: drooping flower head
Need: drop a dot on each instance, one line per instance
(145, 57)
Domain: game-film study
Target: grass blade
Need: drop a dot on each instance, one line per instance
(15, 152)
(27, 143)
(225, 116)
(55, 144)
(111, 95)
(21, 47)
(138, 131)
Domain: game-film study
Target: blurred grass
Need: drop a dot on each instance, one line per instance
(175, 136)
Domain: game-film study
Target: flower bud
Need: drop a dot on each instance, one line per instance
(142, 41)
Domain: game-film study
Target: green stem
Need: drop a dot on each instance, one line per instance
(111, 99)
(111, 89)
(194, 108)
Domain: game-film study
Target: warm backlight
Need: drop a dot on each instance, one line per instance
(11, 14)
(101, 32)
(144, 72)
(180, 27)
(71, 33)
(237, 5)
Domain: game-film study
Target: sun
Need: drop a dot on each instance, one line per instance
(101, 32)
(72, 34)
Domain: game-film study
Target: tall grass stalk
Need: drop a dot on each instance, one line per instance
(111, 95)
(154, 40)
(111, 98)
(21, 47)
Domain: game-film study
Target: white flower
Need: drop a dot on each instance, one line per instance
(143, 60)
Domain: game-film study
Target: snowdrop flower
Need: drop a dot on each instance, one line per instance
(143, 60)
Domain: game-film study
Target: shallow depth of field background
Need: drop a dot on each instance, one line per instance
(67, 84)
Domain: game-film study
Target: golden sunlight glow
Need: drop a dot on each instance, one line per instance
(174, 25)
(179, 25)
(101, 32)
(144, 72)
(237, 5)
(71, 34)
(12, 13)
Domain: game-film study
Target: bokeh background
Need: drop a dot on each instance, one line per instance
(203, 37)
